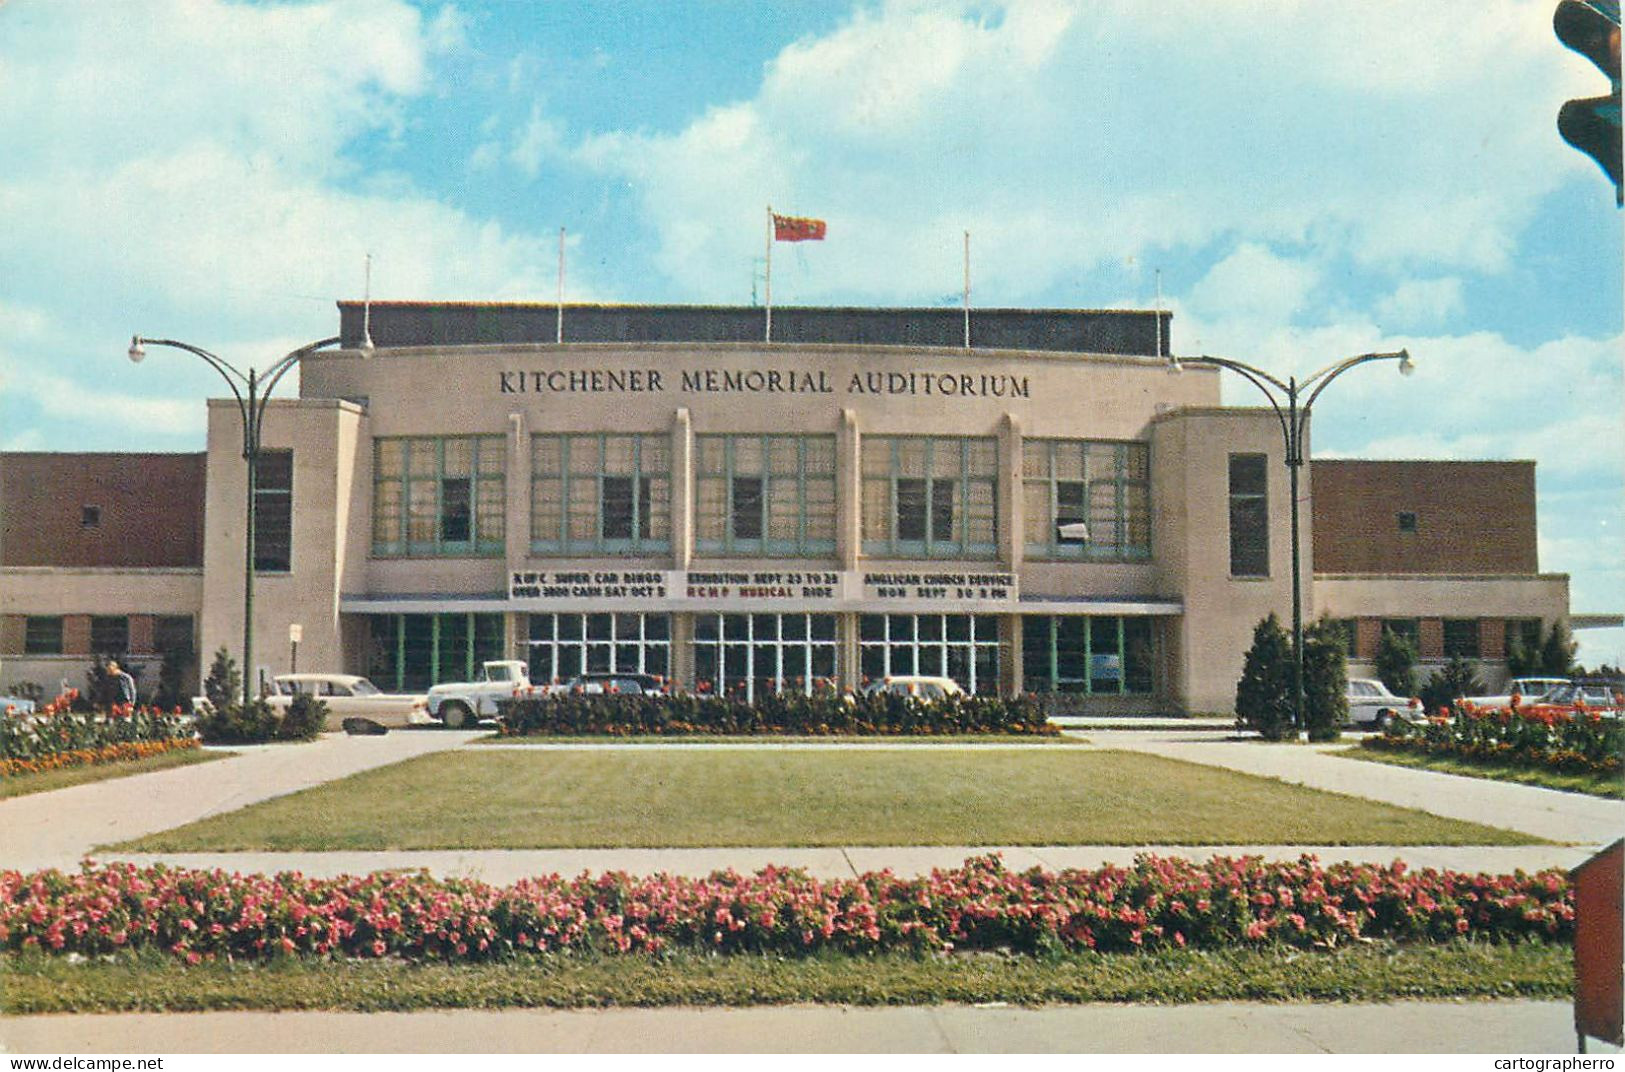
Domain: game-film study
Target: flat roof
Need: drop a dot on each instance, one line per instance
(1140, 332)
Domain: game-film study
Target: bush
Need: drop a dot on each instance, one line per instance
(824, 713)
(1264, 693)
(1396, 664)
(224, 685)
(1325, 681)
(1455, 679)
(1557, 652)
(1158, 903)
(260, 723)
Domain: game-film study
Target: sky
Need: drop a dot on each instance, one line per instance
(1300, 181)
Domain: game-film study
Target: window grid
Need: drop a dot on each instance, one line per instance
(964, 647)
(563, 646)
(600, 492)
(273, 512)
(1249, 516)
(1105, 655)
(930, 497)
(42, 635)
(109, 635)
(1461, 638)
(764, 495)
(763, 653)
(1102, 483)
(438, 495)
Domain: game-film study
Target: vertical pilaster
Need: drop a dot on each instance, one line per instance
(682, 650)
(516, 527)
(682, 490)
(848, 671)
(1011, 502)
(848, 491)
(1011, 669)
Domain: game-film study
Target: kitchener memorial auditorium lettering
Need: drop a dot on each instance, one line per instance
(930, 384)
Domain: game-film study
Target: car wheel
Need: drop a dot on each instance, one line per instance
(456, 715)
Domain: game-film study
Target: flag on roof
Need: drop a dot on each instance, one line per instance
(797, 229)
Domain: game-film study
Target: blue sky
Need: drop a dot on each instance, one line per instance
(1311, 181)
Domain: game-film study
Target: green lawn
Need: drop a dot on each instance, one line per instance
(486, 798)
(21, 784)
(1379, 972)
(768, 739)
(1594, 784)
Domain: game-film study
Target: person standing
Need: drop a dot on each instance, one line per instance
(123, 683)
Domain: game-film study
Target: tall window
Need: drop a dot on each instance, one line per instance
(1102, 486)
(1249, 516)
(438, 496)
(563, 646)
(964, 647)
(765, 495)
(600, 493)
(930, 497)
(1096, 655)
(273, 512)
(110, 635)
(1461, 638)
(760, 654)
(42, 635)
(414, 651)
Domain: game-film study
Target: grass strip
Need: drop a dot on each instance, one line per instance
(1373, 972)
(674, 798)
(1597, 785)
(17, 785)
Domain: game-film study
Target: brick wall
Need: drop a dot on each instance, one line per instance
(1470, 517)
(148, 507)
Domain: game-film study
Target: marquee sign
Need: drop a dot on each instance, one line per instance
(784, 590)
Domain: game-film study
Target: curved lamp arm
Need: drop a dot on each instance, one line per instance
(1257, 377)
(275, 373)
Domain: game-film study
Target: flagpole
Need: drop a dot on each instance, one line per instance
(967, 290)
(769, 336)
(1158, 312)
(558, 335)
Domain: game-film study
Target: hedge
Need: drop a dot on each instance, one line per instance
(1158, 903)
(822, 714)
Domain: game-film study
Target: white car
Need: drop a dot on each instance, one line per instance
(347, 696)
(1527, 689)
(1371, 704)
(921, 688)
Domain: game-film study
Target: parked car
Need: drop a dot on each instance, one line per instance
(347, 696)
(1605, 697)
(1525, 688)
(630, 684)
(921, 688)
(1372, 705)
(462, 703)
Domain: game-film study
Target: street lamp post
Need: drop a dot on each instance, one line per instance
(1293, 420)
(252, 407)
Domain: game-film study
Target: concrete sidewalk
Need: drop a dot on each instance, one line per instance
(1574, 818)
(1404, 1027)
(58, 828)
(506, 866)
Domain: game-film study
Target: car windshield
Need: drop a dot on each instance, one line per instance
(502, 672)
(362, 687)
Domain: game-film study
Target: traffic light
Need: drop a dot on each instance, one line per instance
(1591, 125)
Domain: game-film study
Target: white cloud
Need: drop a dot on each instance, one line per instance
(1421, 303)
(1254, 283)
(1068, 136)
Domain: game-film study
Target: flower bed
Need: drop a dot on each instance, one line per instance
(56, 736)
(1158, 903)
(1578, 742)
(90, 757)
(824, 713)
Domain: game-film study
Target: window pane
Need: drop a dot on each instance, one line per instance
(455, 510)
(942, 511)
(42, 635)
(747, 508)
(911, 512)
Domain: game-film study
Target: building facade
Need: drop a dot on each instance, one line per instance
(1046, 510)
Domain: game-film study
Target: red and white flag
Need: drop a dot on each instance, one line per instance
(797, 229)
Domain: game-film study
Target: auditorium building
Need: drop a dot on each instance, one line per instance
(1047, 509)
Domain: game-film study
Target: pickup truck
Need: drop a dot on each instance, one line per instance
(462, 703)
